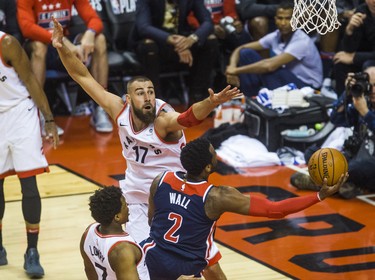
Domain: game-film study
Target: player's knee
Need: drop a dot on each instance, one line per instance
(100, 44)
(148, 47)
(29, 187)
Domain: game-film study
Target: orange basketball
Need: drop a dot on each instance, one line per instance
(327, 163)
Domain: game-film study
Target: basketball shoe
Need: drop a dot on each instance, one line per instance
(349, 190)
(3, 257)
(100, 120)
(32, 265)
(303, 182)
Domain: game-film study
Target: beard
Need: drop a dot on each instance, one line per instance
(147, 117)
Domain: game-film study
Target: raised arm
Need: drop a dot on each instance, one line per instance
(111, 103)
(228, 199)
(15, 56)
(173, 121)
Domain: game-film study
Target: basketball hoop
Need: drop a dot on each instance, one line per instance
(319, 15)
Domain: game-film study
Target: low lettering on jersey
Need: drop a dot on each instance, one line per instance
(129, 141)
(3, 78)
(96, 252)
(62, 14)
(178, 199)
(123, 6)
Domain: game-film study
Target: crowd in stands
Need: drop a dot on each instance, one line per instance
(198, 37)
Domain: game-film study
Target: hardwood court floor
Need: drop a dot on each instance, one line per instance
(331, 240)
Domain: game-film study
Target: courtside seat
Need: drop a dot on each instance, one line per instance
(121, 22)
(65, 87)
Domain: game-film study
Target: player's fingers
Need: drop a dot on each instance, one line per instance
(324, 182)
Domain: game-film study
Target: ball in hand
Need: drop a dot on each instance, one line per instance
(327, 163)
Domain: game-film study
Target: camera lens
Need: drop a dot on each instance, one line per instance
(356, 90)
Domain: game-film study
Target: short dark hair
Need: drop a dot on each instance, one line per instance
(105, 203)
(286, 5)
(196, 155)
(136, 79)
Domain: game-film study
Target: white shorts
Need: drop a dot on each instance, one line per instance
(21, 145)
(137, 226)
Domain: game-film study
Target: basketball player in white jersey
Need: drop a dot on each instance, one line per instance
(21, 147)
(107, 250)
(151, 132)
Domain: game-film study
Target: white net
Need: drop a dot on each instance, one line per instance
(319, 15)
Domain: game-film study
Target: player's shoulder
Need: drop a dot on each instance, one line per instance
(125, 249)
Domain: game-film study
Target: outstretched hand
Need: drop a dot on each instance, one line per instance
(225, 95)
(58, 34)
(327, 191)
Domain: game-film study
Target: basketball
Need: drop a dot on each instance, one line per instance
(327, 163)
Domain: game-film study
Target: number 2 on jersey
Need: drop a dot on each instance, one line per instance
(170, 235)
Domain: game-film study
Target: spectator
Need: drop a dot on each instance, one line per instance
(162, 36)
(358, 44)
(295, 59)
(259, 16)
(352, 109)
(180, 202)
(34, 21)
(228, 29)
(21, 146)
(151, 132)
(345, 9)
(329, 42)
(8, 19)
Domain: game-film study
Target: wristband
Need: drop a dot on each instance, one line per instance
(92, 30)
(49, 121)
(317, 194)
(188, 119)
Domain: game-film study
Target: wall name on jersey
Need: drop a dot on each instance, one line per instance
(96, 252)
(178, 199)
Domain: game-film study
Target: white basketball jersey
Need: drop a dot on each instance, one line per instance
(12, 89)
(146, 155)
(98, 246)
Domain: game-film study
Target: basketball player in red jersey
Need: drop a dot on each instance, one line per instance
(180, 202)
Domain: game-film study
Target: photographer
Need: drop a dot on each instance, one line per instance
(354, 109)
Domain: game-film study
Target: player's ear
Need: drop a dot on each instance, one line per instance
(117, 218)
(209, 168)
